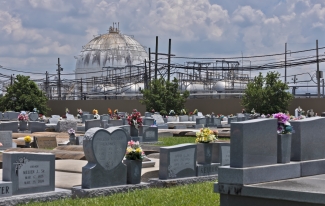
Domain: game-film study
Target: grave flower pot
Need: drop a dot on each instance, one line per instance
(72, 139)
(284, 148)
(133, 171)
(22, 125)
(204, 153)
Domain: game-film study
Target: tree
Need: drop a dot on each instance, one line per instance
(163, 96)
(267, 95)
(24, 95)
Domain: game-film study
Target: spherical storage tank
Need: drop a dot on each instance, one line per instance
(112, 49)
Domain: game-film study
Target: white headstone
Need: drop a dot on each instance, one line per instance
(158, 118)
(56, 116)
(200, 114)
(70, 117)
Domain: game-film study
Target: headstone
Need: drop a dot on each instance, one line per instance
(46, 142)
(6, 139)
(92, 123)
(207, 169)
(56, 116)
(147, 114)
(33, 116)
(6, 189)
(172, 119)
(127, 128)
(232, 119)
(115, 122)
(54, 120)
(84, 112)
(64, 126)
(216, 147)
(36, 126)
(200, 114)
(148, 121)
(150, 134)
(70, 117)
(13, 116)
(307, 141)
(87, 117)
(158, 118)
(9, 126)
(201, 120)
(183, 118)
(121, 114)
(177, 161)
(224, 155)
(253, 143)
(5, 116)
(29, 172)
(104, 150)
(1, 116)
(105, 117)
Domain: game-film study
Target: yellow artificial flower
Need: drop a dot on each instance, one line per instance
(27, 139)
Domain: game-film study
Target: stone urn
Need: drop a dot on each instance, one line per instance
(284, 148)
(204, 153)
(134, 168)
(72, 139)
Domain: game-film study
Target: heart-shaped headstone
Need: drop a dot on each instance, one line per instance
(107, 146)
(33, 116)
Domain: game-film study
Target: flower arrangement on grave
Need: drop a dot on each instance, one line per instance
(71, 132)
(243, 111)
(195, 112)
(183, 112)
(263, 116)
(300, 111)
(253, 111)
(268, 116)
(171, 113)
(27, 139)
(231, 115)
(135, 119)
(191, 113)
(134, 151)
(23, 116)
(115, 111)
(212, 114)
(152, 111)
(284, 127)
(79, 113)
(208, 115)
(35, 110)
(67, 111)
(205, 135)
(109, 111)
(95, 113)
(41, 117)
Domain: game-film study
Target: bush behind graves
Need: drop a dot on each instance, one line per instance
(24, 95)
(267, 95)
(164, 96)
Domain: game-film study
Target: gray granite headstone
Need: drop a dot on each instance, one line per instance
(201, 120)
(253, 143)
(54, 120)
(150, 134)
(224, 155)
(5, 116)
(33, 116)
(36, 126)
(127, 128)
(115, 122)
(5, 189)
(70, 117)
(105, 117)
(79, 140)
(172, 119)
(148, 121)
(207, 169)
(6, 139)
(232, 119)
(29, 172)
(216, 146)
(147, 114)
(64, 126)
(200, 114)
(92, 123)
(104, 150)
(177, 161)
(84, 112)
(183, 118)
(87, 117)
(307, 141)
(9, 126)
(13, 116)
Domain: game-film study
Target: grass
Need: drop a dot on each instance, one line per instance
(192, 194)
(169, 141)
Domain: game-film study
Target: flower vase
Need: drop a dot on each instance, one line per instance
(284, 148)
(22, 125)
(204, 153)
(134, 132)
(134, 168)
(72, 139)
(27, 144)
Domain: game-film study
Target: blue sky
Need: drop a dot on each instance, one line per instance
(34, 33)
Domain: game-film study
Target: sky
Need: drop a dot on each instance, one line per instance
(35, 33)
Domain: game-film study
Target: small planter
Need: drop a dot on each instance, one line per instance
(22, 125)
(27, 144)
(72, 139)
(204, 153)
(284, 148)
(134, 168)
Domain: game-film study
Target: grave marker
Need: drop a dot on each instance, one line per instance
(33, 116)
(177, 161)
(158, 118)
(150, 134)
(29, 172)
(6, 139)
(9, 126)
(104, 149)
(47, 142)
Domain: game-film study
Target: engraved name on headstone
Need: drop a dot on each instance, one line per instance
(33, 174)
(46, 142)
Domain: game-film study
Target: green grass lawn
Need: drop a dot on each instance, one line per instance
(192, 194)
(169, 141)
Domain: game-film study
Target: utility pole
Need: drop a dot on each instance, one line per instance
(156, 58)
(169, 49)
(285, 63)
(149, 67)
(46, 83)
(81, 88)
(11, 80)
(59, 78)
(318, 73)
(145, 74)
